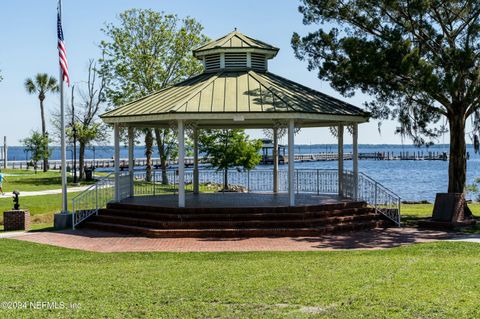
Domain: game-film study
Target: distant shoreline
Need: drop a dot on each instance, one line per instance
(296, 145)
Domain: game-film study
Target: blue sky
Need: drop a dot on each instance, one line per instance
(28, 46)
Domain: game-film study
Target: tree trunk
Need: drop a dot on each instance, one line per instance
(162, 154)
(457, 166)
(44, 134)
(225, 179)
(148, 154)
(81, 160)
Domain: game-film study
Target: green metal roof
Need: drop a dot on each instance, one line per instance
(235, 92)
(235, 40)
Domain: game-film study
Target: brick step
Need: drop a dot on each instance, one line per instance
(236, 210)
(231, 232)
(250, 223)
(233, 216)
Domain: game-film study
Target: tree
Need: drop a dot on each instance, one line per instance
(229, 148)
(146, 52)
(37, 145)
(41, 85)
(274, 134)
(88, 126)
(419, 60)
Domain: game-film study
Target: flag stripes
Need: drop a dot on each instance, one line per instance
(62, 51)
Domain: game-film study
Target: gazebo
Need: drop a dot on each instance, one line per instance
(236, 90)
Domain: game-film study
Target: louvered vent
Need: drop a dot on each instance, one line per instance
(235, 60)
(212, 62)
(258, 62)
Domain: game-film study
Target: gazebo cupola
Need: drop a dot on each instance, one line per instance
(235, 51)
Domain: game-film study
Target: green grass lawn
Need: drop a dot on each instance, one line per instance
(27, 180)
(412, 212)
(436, 280)
(425, 210)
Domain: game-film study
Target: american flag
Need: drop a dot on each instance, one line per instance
(62, 52)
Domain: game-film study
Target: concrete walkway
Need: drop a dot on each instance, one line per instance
(99, 241)
(47, 192)
(474, 238)
(10, 234)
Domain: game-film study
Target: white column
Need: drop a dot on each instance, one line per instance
(116, 138)
(291, 163)
(275, 160)
(181, 164)
(355, 160)
(131, 158)
(340, 160)
(63, 148)
(196, 187)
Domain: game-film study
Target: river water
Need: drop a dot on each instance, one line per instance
(412, 180)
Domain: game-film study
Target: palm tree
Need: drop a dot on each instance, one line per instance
(41, 85)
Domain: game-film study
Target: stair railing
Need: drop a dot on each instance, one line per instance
(97, 196)
(385, 201)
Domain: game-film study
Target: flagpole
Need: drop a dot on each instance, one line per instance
(62, 134)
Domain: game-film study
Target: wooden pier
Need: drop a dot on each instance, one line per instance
(316, 157)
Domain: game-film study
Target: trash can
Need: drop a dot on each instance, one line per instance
(89, 174)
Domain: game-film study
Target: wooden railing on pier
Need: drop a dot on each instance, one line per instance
(315, 157)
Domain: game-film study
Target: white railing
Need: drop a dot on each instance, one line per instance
(97, 196)
(316, 181)
(385, 201)
(320, 181)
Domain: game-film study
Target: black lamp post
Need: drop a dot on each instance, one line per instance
(75, 180)
(93, 149)
(74, 131)
(26, 157)
(71, 154)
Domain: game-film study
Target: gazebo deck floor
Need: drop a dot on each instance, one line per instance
(231, 199)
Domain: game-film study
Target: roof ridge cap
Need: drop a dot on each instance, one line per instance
(269, 88)
(314, 91)
(212, 41)
(246, 39)
(226, 38)
(256, 42)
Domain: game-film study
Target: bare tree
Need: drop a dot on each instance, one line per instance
(89, 127)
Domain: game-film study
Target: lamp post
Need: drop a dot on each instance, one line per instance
(26, 156)
(74, 131)
(93, 164)
(71, 154)
(75, 180)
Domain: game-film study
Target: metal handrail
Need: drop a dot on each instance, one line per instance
(390, 207)
(92, 186)
(379, 184)
(86, 203)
